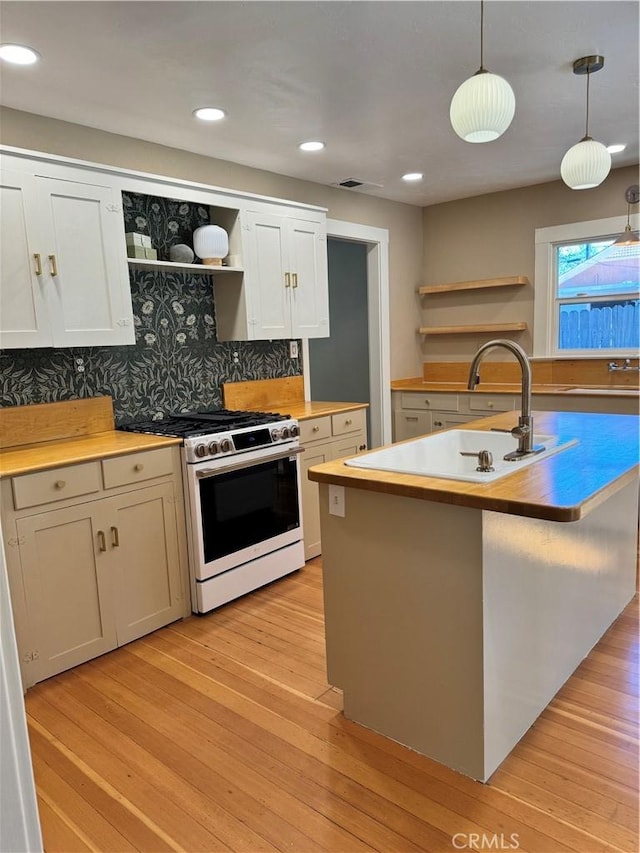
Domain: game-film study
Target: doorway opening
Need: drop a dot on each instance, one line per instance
(349, 347)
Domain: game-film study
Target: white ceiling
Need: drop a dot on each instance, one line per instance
(371, 79)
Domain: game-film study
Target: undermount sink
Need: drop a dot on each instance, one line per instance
(439, 455)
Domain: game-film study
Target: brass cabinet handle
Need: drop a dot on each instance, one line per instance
(54, 265)
(287, 279)
(60, 484)
(102, 542)
(411, 417)
(138, 466)
(115, 537)
(38, 260)
(295, 279)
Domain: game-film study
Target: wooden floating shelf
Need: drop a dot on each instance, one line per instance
(464, 330)
(476, 284)
(205, 269)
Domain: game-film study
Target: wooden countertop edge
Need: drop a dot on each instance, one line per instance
(533, 492)
(419, 385)
(27, 459)
(441, 492)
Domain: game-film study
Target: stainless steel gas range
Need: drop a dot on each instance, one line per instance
(242, 492)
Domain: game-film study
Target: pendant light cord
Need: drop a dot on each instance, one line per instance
(586, 130)
(482, 35)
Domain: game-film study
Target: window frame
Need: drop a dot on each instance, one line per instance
(545, 315)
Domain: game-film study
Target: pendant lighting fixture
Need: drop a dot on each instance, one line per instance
(629, 237)
(586, 164)
(484, 105)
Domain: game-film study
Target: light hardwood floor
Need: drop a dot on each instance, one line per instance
(221, 733)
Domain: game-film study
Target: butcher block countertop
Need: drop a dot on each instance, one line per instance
(563, 487)
(282, 396)
(417, 384)
(51, 454)
(47, 435)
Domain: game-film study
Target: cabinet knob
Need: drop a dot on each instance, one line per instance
(489, 405)
(348, 422)
(60, 484)
(362, 447)
(437, 423)
(138, 466)
(315, 429)
(427, 401)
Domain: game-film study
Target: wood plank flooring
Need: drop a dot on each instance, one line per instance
(221, 733)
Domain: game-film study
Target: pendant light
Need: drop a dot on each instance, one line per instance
(586, 164)
(629, 237)
(482, 107)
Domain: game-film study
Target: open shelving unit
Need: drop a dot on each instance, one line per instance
(478, 328)
(165, 266)
(475, 284)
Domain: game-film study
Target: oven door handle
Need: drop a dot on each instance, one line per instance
(211, 472)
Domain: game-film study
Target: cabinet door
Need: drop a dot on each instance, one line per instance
(444, 420)
(84, 257)
(410, 424)
(24, 319)
(307, 258)
(268, 290)
(310, 499)
(142, 540)
(68, 587)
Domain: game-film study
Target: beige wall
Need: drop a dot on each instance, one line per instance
(404, 222)
(491, 236)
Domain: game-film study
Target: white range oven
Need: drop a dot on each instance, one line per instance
(242, 491)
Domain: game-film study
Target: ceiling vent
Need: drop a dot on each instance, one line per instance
(353, 183)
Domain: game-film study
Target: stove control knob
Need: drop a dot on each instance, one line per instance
(294, 430)
(200, 450)
(276, 434)
(286, 432)
(226, 445)
(213, 448)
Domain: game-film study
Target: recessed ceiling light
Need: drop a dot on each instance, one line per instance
(615, 149)
(413, 176)
(18, 54)
(209, 114)
(311, 146)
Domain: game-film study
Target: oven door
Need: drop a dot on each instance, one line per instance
(243, 508)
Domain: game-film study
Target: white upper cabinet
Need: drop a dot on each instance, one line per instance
(65, 278)
(285, 260)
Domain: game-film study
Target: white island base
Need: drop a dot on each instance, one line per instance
(450, 629)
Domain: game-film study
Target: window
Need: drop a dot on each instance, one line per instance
(587, 291)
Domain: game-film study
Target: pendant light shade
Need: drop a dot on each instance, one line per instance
(586, 164)
(629, 237)
(482, 107)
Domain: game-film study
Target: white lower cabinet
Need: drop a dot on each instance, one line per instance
(65, 279)
(417, 413)
(326, 438)
(95, 571)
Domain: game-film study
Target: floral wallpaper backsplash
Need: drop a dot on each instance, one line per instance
(176, 364)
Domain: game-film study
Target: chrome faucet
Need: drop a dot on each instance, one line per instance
(524, 431)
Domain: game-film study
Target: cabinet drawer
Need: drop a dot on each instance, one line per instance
(490, 403)
(123, 470)
(348, 422)
(441, 402)
(315, 429)
(55, 485)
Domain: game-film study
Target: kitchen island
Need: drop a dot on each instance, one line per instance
(456, 610)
